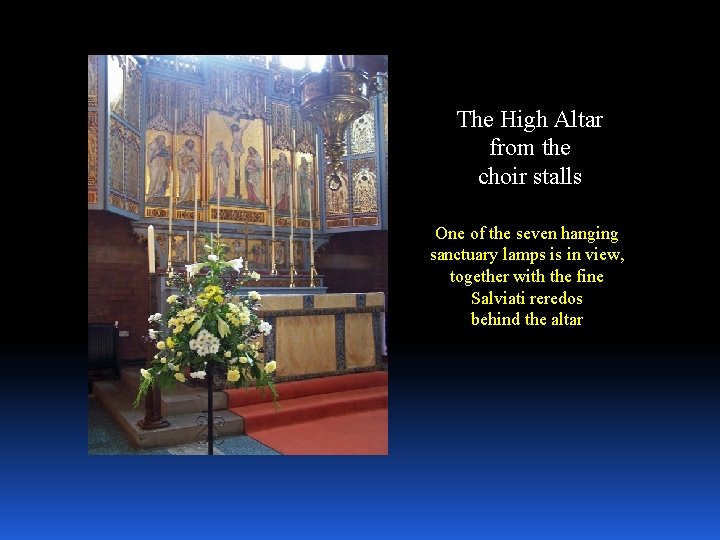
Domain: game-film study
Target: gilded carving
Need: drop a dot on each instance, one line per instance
(334, 223)
(159, 105)
(362, 134)
(305, 135)
(281, 126)
(365, 221)
(234, 91)
(117, 201)
(92, 150)
(364, 191)
(116, 155)
(133, 78)
(92, 80)
(161, 213)
(336, 193)
(189, 109)
(132, 165)
(237, 215)
(116, 83)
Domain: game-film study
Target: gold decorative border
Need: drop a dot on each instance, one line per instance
(357, 221)
(153, 212)
(332, 223)
(237, 215)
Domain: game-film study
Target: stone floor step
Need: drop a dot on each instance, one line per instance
(182, 399)
(117, 399)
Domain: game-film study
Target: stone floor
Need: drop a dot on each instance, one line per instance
(106, 438)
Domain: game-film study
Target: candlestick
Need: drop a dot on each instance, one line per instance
(195, 214)
(217, 194)
(172, 190)
(312, 255)
(151, 249)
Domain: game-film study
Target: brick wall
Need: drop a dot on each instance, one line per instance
(118, 280)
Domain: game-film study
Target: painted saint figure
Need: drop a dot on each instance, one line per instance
(221, 168)
(253, 175)
(281, 175)
(189, 166)
(305, 181)
(158, 160)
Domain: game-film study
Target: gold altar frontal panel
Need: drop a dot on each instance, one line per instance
(305, 344)
(358, 335)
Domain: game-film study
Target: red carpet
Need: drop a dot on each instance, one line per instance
(345, 414)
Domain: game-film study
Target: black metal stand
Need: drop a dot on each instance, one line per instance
(209, 421)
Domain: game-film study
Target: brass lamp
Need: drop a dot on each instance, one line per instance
(332, 99)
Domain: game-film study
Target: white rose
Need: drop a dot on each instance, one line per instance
(212, 258)
(236, 264)
(265, 328)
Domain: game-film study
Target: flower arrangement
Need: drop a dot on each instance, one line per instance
(209, 320)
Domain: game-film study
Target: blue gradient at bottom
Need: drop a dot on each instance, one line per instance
(528, 444)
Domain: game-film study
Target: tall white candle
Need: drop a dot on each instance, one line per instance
(187, 246)
(312, 255)
(217, 193)
(292, 260)
(172, 192)
(195, 216)
(151, 249)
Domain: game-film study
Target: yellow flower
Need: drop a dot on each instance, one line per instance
(161, 345)
(241, 346)
(223, 327)
(218, 298)
(228, 354)
(145, 373)
(233, 375)
(170, 343)
(180, 377)
(270, 367)
(172, 299)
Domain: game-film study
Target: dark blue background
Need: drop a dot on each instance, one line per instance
(607, 432)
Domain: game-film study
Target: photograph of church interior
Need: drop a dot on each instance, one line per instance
(237, 203)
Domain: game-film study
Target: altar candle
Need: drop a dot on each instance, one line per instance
(195, 215)
(187, 245)
(151, 248)
(312, 255)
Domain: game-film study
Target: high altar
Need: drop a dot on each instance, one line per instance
(324, 333)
